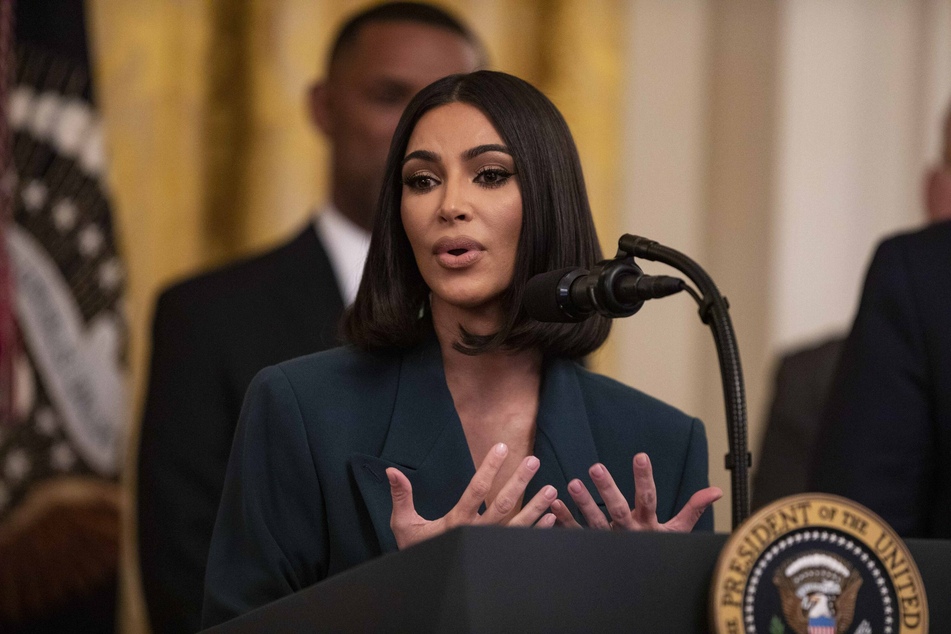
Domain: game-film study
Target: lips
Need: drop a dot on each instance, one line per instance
(458, 253)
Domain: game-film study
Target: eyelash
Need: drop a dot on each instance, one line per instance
(415, 181)
(503, 175)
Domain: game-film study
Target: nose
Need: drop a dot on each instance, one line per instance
(454, 206)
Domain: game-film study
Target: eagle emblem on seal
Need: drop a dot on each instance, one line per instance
(818, 592)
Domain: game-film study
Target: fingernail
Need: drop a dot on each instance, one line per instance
(531, 462)
(575, 487)
(640, 460)
(549, 492)
(391, 476)
(597, 471)
(501, 449)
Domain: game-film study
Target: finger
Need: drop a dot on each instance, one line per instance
(547, 521)
(511, 492)
(588, 507)
(645, 493)
(481, 483)
(688, 516)
(563, 516)
(401, 491)
(618, 507)
(536, 507)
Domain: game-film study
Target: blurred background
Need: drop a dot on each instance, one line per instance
(773, 142)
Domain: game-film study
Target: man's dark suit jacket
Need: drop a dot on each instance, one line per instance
(307, 496)
(886, 438)
(212, 334)
(799, 396)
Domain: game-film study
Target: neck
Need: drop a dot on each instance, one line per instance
(495, 394)
(487, 377)
(448, 319)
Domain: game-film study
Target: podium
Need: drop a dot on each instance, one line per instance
(488, 579)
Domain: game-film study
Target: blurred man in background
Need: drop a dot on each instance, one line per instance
(804, 377)
(885, 438)
(212, 333)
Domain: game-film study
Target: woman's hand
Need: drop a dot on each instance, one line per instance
(644, 515)
(410, 528)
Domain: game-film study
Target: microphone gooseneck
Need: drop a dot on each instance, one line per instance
(618, 288)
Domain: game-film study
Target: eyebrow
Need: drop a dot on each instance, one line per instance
(482, 149)
(432, 157)
(424, 155)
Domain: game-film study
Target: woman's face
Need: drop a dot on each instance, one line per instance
(461, 207)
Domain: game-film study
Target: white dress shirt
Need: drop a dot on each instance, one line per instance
(346, 245)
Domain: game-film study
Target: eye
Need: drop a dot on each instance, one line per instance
(493, 176)
(388, 93)
(420, 181)
(392, 97)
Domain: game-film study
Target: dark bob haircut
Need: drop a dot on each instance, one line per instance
(557, 228)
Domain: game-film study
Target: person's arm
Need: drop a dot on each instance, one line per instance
(271, 537)
(876, 444)
(784, 452)
(696, 475)
(800, 389)
(185, 440)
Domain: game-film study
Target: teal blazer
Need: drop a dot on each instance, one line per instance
(306, 494)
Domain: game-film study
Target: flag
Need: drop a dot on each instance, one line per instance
(60, 447)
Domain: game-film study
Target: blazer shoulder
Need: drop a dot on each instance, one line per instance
(260, 269)
(930, 245)
(814, 360)
(344, 395)
(605, 395)
(344, 363)
(343, 375)
(912, 269)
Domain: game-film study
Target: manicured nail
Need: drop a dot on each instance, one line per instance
(501, 449)
(549, 492)
(531, 462)
(640, 460)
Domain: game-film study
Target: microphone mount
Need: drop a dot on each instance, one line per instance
(603, 292)
(613, 288)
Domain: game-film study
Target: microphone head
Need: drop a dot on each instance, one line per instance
(547, 296)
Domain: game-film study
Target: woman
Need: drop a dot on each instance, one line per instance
(346, 454)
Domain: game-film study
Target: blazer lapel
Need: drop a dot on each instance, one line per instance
(564, 443)
(425, 441)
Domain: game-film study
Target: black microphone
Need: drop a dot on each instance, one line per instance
(574, 294)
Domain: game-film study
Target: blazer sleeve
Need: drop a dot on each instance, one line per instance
(183, 451)
(695, 475)
(270, 537)
(876, 446)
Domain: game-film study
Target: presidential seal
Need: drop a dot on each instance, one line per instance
(817, 564)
